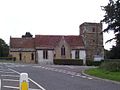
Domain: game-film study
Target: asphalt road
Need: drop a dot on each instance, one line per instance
(51, 77)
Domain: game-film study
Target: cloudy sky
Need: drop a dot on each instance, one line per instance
(48, 17)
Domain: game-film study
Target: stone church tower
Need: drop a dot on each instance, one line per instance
(93, 40)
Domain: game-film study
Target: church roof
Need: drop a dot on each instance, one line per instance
(46, 41)
(21, 42)
(74, 41)
(51, 41)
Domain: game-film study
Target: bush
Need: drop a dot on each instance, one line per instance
(6, 58)
(113, 66)
(68, 62)
(93, 63)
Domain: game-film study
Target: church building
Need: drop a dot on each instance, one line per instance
(88, 45)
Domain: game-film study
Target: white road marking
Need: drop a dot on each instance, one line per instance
(69, 72)
(46, 68)
(14, 71)
(64, 71)
(55, 70)
(83, 76)
(73, 73)
(9, 72)
(11, 87)
(33, 89)
(37, 66)
(90, 78)
(42, 67)
(0, 84)
(60, 70)
(78, 75)
(30, 80)
(37, 84)
(10, 75)
(10, 80)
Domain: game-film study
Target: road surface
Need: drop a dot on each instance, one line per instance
(51, 77)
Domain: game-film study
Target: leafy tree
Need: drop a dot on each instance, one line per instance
(106, 54)
(4, 48)
(112, 19)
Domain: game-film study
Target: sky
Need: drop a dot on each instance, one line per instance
(49, 17)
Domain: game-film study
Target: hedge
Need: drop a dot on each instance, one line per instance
(93, 63)
(6, 58)
(111, 65)
(68, 62)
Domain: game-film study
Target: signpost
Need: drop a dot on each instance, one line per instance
(24, 85)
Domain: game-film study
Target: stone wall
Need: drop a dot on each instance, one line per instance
(58, 50)
(93, 39)
(26, 57)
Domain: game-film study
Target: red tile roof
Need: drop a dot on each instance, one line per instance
(74, 41)
(45, 41)
(22, 42)
(51, 40)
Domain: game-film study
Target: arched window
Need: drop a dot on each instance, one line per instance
(93, 29)
(62, 51)
(32, 56)
(20, 56)
(77, 54)
(45, 54)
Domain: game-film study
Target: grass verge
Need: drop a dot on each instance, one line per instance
(104, 74)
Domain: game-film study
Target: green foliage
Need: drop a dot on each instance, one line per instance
(107, 54)
(6, 58)
(4, 49)
(93, 63)
(98, 72)
(68, 62)
(89, 62)
(112, 66)
(114, 52)
(112, 18)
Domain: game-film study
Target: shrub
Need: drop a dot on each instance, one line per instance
(89, 62)
(6, 58)
(97, 63)
(93, 63)
(68, 62)
(111, 66)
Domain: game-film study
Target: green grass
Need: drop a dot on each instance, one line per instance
(104, 74)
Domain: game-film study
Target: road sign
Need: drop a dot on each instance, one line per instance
(24, 85)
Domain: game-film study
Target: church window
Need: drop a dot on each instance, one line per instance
(77, 54)
(32, 56)
(62, 51)
(45, 54)
(20, 56)
(93, 29)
